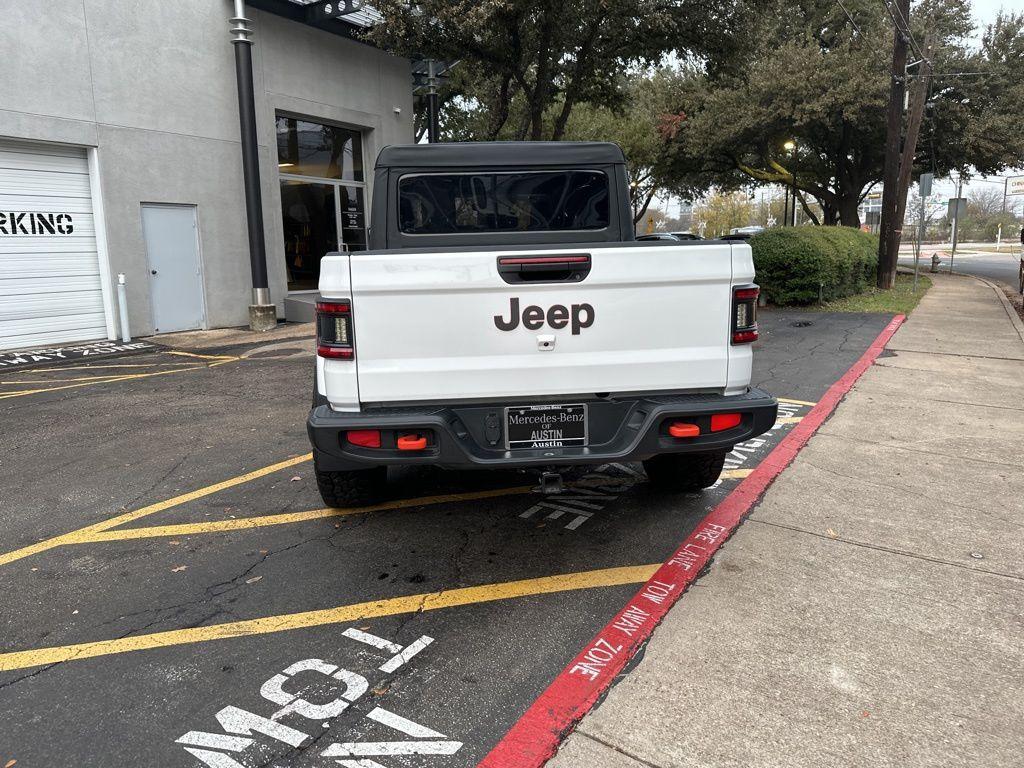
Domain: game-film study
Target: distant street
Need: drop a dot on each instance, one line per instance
(981, 260)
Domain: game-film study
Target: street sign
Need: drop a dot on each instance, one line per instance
(1015, 185)
(956, 208)
(925, 184)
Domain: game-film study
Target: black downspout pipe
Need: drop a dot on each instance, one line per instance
(433, 119)
(262, 313)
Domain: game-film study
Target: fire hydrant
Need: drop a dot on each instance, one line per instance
(935, 263)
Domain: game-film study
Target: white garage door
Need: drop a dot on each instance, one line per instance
(50, 288)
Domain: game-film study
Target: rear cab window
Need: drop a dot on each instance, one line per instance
(503, 202)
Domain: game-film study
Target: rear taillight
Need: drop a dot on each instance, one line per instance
(744, 314)
(334, 337)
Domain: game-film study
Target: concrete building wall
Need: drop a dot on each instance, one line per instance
(152, 85)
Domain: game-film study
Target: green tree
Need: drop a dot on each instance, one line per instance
(722, 211)
(638, 127)
(531, 62)
(821, 80)
(985, 216)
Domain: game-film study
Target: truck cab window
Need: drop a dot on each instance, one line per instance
(441, 203)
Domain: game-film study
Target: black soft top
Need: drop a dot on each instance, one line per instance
(492, 154)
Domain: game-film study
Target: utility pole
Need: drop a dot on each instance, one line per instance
(889, 226)
(918, 98)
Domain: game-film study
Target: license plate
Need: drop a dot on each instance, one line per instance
(546, 426)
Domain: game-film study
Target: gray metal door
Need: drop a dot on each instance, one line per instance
(175, 276)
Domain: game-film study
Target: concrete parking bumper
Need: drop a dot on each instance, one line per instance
(871, 610)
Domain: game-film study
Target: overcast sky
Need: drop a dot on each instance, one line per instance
(985, 10)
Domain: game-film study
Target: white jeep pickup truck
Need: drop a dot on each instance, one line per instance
(505, 316)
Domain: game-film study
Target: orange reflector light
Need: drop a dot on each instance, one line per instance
(364, 438)
(723, 421)
(682, 429)
(411, 442)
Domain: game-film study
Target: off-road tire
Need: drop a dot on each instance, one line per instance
(351, 488)
(685, 472)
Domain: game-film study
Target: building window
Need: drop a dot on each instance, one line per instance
(323, 195)
(305, 148)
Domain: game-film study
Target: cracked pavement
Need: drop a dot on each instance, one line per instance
(75, 457)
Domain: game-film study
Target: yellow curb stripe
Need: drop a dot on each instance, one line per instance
(246, 523)
(450, 598)
(794, 402)
(73, 536)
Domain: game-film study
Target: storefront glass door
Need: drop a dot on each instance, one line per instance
(322, 196)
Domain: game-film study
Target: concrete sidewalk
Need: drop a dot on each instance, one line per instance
(871, 610)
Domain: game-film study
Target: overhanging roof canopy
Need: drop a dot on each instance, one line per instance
(311, 13)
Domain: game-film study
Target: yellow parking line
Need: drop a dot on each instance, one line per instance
(449, 598)
(127, 517)
(246, 523)
(794, 402)
(789, 420)
(23, 392)
(114, 365)
(735, 474)
(201, 357)
(61, 381)
(220, 360)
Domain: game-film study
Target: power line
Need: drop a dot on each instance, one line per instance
(849, 16)
(904, 28)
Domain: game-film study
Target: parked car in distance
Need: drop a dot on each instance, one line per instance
(742, 233)
(659, 236)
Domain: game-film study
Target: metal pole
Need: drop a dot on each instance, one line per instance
(1006, 186)
(956, 221)
(794, 183)
(122, 307)
(785, 209)
(920, 237)
(262, 313)
(433, 123)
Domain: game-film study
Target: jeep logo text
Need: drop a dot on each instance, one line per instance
(558, 316)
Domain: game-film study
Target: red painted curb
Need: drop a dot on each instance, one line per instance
(535, 737)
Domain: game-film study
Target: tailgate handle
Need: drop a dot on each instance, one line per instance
(554, 268)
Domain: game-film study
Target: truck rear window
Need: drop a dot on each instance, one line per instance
(544, 201)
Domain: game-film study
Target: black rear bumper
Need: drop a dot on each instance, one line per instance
(472, 435)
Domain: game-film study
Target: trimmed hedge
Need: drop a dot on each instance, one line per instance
(793, 262)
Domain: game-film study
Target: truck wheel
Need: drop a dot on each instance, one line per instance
(685, 472)
(351, 488)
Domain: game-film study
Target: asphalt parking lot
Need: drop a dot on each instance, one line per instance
(175, 594)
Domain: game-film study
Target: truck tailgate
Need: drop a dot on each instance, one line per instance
(442, 326)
